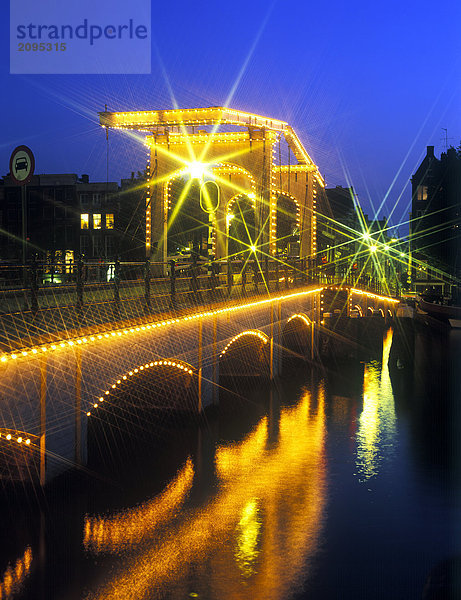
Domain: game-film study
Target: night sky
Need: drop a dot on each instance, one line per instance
(366, 85)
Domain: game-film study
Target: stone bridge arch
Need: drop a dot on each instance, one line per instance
(48, 388)
(358, 308)
(367, 303)
(298, 337)
(138, 408)
(247, 354)
(20, 455)
(129, 377)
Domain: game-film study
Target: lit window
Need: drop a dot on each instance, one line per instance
(84, 221)
(109, 221)
(96, 221)
(421, 193)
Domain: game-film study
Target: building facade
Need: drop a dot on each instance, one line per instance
(337, 227)
(66, 217)
(435, 223)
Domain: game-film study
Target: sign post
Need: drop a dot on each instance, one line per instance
(22, 165)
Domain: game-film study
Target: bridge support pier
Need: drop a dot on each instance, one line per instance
(215, 361)
(271, 354)
(199, 368)
(78, 407)
(43, 420)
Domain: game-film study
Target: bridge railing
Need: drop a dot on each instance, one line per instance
(156, 285)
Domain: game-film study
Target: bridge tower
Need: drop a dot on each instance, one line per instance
(237, 151)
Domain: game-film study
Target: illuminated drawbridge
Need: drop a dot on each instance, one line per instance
(217, 185)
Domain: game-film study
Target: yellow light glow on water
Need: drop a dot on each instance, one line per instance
(367, 438)
(248, 534)
(261, 495)
(128, 528)
(239, 459)
(14, 577)
(376, 435)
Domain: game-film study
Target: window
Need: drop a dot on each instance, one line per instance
(109, 221)
(421, 193)
(421, 273)
(11, 215)
(96, 221)
(84, 221)
(98, 246)
(59, 211)
(83, 198)
(84, 244)
(69, 236)
(96, 199)
(69, 258)
(109, 246)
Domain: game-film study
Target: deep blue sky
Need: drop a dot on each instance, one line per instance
(366, 85)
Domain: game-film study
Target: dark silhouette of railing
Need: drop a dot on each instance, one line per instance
(43, 285)
(41, 302)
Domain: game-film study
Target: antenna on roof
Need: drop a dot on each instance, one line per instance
(446, 137)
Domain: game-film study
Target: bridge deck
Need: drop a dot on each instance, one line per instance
(58, 314)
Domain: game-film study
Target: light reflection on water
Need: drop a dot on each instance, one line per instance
(376, 437)
(249, 532)
(15, 576)
(254, 537)
(278, 514)
(129, 528)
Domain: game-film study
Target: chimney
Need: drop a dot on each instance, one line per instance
(430, 151)
(85, 179)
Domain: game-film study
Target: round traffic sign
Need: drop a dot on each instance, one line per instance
(22, 165)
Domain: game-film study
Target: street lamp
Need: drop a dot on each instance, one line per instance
(196, 170)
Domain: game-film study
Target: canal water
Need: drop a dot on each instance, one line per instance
(338, 482)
